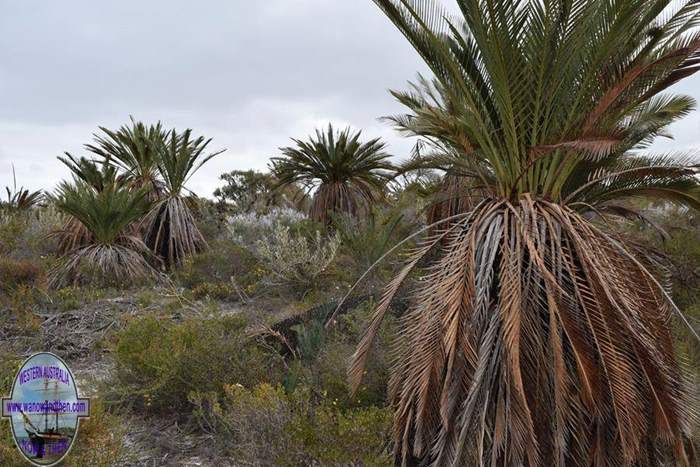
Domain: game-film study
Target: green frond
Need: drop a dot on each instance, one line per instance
(106, 213)
(669, 177)
(19, 199)
(133, 149)
(179, 156)
(534, 337)
(575, 80)
(346, 173)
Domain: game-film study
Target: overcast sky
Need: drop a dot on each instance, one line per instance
(249, 74)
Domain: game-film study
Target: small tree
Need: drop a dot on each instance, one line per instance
(249, 190)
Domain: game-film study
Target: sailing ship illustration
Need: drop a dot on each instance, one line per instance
(52, 439)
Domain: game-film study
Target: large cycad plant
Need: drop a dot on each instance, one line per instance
(88, 173)
(348, 175)
(170, 228)
(110, 252)
(538, 336)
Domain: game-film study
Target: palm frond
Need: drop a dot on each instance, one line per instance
(348, 175)
(529, 342)
(535, 337)
(98, 240)
(133, 149)
(170, 228)
(20, 199)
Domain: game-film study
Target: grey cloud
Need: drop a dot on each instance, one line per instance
(248, 74)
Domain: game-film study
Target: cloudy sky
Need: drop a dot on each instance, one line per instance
(248, 74)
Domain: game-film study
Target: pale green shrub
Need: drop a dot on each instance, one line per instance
(249, 227)
(295, 260)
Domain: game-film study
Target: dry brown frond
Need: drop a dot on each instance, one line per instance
(171, 231)
(119, 264)
(71, 236)
(535, 339)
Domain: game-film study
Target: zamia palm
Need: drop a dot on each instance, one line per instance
(170, 228)
(348, 175)
(95, 175)
(111, 252)
(537, 336)
(134, 151)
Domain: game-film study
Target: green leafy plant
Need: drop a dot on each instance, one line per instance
(88, 173)
(348, 175)
(295, 260)
(111, 252)
(133, 149)
(263, 424)
(537, 335)
(367, 240)
(170, 227)
(160, 363)
(19, 199)
(216, 291)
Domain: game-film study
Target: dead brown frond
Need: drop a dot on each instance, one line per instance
(71, 236)
(117, 264)
(535, 339)
(171, 231)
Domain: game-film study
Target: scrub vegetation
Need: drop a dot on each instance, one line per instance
(521, 290)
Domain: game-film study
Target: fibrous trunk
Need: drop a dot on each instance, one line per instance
(333, 197)
(170, 231)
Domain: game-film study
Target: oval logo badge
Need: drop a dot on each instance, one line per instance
(44, 409)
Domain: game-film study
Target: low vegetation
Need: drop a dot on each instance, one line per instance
(524, 290)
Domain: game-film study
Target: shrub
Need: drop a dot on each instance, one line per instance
(246, 229)
(366, 240)
(24, 234)
(264, 425)
(323, 363)
(19, 272)
(101, 439)
(159, 363)
(213, 290)
(248, 424)
(329, 436)
(296, 261)
(224, 260)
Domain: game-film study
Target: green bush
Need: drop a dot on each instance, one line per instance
(295, 261)
(224, 260)
(324, 356)
(329, 436)
(158, 363)
(216, 290)
(100, 441)
(264, 425)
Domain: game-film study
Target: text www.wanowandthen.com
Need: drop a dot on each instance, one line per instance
(56, 406)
